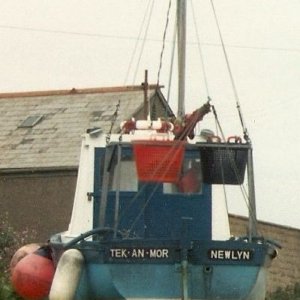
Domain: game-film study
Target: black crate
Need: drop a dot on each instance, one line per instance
(223, 165)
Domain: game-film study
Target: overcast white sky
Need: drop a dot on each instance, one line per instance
(61, 44)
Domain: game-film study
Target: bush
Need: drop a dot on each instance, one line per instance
(10, 242)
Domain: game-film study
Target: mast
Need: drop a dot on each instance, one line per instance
(181, 48)
(252, 202)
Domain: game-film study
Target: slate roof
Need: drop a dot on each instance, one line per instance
(54, 142)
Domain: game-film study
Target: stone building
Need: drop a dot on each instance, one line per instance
(40, 141)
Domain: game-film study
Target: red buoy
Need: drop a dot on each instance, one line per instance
(32, 276)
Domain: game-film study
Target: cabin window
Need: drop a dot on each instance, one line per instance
(123, 177)
(190, 181)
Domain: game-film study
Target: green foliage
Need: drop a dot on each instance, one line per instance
(288, 293)
(6, 291)
(10, 242)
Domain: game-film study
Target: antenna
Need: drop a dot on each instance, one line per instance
(181, 29)
(146, 104)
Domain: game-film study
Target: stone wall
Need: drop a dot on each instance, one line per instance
(40, 201)
(285, 269)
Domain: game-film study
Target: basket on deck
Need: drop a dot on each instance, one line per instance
(223, 165)
(158, 161)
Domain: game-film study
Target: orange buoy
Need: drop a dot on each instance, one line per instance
(32, 276)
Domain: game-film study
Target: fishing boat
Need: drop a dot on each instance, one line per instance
(145, 224)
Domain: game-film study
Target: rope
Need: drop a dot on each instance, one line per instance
(246, 136)
(164, 42)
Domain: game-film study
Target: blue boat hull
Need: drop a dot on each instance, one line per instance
(163, 248)
(165, 282)
(226, 270)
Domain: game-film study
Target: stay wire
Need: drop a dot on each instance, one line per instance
(119, 37)
(137, 42)
(244, 192)
(219, 128)
(156, 186)
(164, 42)
(172, 60)
(200, 50)
(245, 131)
(233, 165)
(143, 42)
(172, 149)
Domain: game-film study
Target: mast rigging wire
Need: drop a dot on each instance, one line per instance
(147, 201)
(200, 51)
(120, 37)
(252, 213)
(136, 43)
(172, 60)
(143, 42)
(207, 90)
(164, 42)
(246, 135)
(233, 165)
